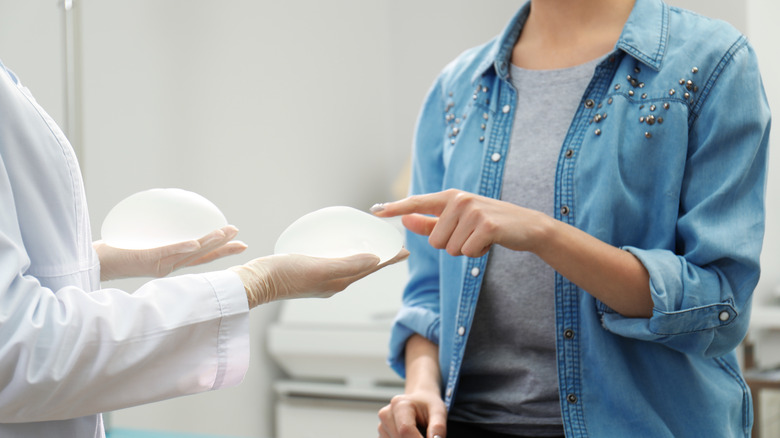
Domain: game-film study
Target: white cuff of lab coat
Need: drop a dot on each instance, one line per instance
(233, 343)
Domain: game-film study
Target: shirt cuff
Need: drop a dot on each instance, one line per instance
(233, 336)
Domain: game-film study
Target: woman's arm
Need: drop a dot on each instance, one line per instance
(467, 224)
(420, 411)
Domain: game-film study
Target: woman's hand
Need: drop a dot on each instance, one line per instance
(467, 224)
(420, 414)
(420, 411)
(287, 276)
(118, 263)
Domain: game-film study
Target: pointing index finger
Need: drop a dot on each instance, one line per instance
(432, 203)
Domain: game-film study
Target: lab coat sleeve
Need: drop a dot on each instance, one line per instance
(702, 292)
(68, 353)
(420, 310)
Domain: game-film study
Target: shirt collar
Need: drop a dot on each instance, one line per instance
(644, 37)
(646, 32)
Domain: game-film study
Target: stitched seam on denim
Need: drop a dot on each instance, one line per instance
(739, 44)
(745, 391)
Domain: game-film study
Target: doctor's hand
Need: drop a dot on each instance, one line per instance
(285, 276)
(118, 263)
(467, 224)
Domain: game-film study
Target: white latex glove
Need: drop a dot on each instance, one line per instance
(281, 277)
(158, 262)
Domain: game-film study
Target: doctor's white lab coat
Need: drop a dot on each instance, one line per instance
(68, 349)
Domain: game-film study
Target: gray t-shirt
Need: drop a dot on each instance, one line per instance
(509, 380)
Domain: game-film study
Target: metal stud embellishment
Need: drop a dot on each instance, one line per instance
(452, 120)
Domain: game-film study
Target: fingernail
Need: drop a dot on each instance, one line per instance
(376, 208)
(437, 436)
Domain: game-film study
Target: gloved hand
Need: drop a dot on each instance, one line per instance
(118, 263)
(286, 276)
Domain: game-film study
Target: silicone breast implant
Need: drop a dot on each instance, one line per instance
(159, 217)
(339, 232)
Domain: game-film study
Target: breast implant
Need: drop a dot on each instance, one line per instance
(160, 217)
(339, 232)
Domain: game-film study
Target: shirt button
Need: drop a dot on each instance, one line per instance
(474, 272)
(589, 103)
(506, 109)
(495, 157)
(461, 330)
(569, 153)
(449, 392)
(724, 316)
(571, 398)
(568, 334)
(565, 210)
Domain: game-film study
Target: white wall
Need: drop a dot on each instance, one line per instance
(764, 34)
(31, 45)
(271, 109)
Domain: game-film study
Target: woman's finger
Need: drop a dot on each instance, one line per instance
(432, 203)
(419, 224)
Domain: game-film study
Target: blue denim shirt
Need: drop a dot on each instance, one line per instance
(666, 157)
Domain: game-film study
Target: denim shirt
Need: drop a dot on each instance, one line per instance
(666, 158)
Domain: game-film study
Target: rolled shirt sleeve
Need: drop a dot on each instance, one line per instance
(702, 291)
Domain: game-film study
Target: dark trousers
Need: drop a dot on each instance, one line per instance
(468, 430)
